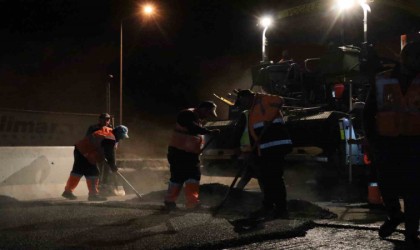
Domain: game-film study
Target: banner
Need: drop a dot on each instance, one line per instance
(36, 128)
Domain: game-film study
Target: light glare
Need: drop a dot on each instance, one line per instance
(266, 21)
(148, 9)
(345, 4)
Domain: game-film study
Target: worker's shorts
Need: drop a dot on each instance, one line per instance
(82, 166)
(183, 166)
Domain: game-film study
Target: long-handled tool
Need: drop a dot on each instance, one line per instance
(208, 143)
(241, 169)
(232, 185)
(131, 186)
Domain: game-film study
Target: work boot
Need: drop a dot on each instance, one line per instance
(106, 190)
(196, 207)
(169, 206)
(69, 195)
(96, 197)
(390, 225)
(262, 213)
(278, 213)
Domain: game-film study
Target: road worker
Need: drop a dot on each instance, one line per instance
(108, 183)
(392, 125)
(183, 154)
(92, 149)
(104, 120)
(268, 131)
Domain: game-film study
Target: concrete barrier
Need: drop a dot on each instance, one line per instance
(30, 173)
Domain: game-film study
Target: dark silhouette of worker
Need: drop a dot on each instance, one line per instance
(104, 120)
(285, 56)
(391, 120)
(272, 142)
(183, 154)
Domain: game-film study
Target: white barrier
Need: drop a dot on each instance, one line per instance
(30, 173)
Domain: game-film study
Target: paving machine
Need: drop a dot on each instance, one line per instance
(323, 111)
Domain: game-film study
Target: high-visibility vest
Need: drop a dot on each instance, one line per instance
(398, 114)
(90, 146)
(182, 139)
(267, 109)
(245, 142)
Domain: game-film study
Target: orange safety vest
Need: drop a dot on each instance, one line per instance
(267, 108)
(398, 114)
(182, 139)
(90, 146)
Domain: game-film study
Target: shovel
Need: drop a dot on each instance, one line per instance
(129, 184)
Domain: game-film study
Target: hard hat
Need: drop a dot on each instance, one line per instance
(120, 132)
(104, 116)
(209, 105)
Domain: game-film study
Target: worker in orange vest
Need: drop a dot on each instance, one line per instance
(92, 149)
(183, 154)
(392, 126)
(270, 141)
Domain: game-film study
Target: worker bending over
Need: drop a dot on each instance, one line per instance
(92, 149)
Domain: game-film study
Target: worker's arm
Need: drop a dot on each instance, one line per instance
(188, 119)
(369, 116)
(278, 104)
(109, 153)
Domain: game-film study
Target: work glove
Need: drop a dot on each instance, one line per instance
(114, 169)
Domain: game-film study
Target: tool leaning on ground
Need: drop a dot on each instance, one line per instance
(129, 184)
(241, 169)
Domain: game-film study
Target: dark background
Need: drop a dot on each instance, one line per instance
(57, 55)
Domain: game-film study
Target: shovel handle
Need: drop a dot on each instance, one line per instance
(129, 184)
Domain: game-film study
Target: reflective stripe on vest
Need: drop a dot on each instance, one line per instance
(261, 124)
(397, 114)
(245, 139)
(182, 140)
(275, 143)
(90, 146)
(267, 108)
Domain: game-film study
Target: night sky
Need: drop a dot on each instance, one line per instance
(56, 51)
(57, 55)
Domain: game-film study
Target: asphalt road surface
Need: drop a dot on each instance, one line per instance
(322, 216)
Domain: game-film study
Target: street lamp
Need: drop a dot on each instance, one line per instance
(366, 9)
(147, 10)
(343, 5)
(347, 4)
(265, 22)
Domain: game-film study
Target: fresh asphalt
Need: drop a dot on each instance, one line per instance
(322, 216)
(130, 223)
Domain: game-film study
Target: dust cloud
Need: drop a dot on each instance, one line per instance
(222, 76)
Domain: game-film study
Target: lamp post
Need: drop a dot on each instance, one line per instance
(366, 9)
(121, 71)
(265, 22)
(347, 4)
(147, 10)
